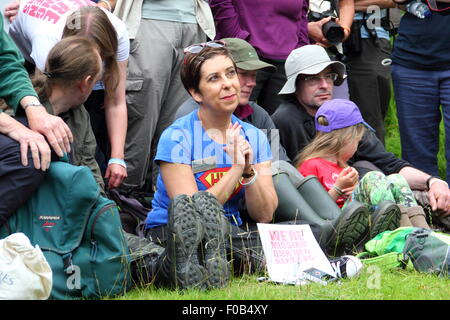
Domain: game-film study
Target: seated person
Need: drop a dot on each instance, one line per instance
(209, 161)
(340, 126)
(247, 64)
(311, 77)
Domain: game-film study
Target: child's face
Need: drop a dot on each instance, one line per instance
(349, 150)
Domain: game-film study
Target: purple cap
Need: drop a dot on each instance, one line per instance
(340, 113)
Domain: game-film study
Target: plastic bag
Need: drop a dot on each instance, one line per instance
(24, 272)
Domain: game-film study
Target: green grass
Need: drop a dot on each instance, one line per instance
(374, 283)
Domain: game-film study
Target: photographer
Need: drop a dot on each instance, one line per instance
(329, 25)
(368, 52)
(324, 10)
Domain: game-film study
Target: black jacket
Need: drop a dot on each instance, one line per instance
(297, 129)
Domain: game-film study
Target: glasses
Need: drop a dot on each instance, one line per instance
(196, 48)
(315, 80)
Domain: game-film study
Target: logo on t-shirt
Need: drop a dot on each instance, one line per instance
(53, 10)
(210, 177)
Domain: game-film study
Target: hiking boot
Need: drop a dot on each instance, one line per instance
(349, 229)
(386, 217)
(217, 232)
(183, 240)
(415, 215)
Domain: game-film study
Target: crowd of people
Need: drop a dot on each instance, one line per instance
(222, 111)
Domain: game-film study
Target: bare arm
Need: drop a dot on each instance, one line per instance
(104, 4)
(27, 138)
(346, 13)
(260, 197)
(439, 193)
(362, 5)
(116, 121)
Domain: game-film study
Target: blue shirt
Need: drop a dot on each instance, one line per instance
(423, 43)
(186, 142)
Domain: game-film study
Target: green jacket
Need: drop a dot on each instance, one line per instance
(84, 143)
(14, 80)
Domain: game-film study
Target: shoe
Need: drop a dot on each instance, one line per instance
(349, 229)
(386, 217)
(416, 216)
(217, 232)
(346, 266)
(184, 237)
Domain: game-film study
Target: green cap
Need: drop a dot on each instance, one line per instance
(244, 55)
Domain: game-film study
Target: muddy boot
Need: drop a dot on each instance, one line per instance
(216, 237)
(348, 230)
(386, 217)
(180, 266)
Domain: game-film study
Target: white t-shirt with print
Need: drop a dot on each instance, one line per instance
(40, 23)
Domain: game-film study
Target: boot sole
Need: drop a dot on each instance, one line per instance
(217, 232)
(388, 218)
(188, 233)
(350, 230)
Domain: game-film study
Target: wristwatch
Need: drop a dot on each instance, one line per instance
(248, 175)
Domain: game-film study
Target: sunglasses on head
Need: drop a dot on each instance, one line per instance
(196, 48)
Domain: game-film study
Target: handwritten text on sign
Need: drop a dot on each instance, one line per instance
(289, 247)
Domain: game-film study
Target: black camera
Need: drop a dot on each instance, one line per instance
(333, 32)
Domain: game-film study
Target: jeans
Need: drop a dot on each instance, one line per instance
(419, 95)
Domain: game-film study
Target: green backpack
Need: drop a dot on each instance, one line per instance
(79, 232)
(386, 249)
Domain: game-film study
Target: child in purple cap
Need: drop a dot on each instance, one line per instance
(340, 127)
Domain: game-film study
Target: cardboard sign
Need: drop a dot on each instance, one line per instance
(290, 250)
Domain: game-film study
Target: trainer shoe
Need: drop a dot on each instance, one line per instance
(349, 229)
(346, 266)
(184, 237)
(386, 217)
(217, 232)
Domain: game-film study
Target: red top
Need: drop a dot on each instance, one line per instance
(326, 171)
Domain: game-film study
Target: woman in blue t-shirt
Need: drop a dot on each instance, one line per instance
(210, 163)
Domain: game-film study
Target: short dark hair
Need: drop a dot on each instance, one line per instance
(192, 63)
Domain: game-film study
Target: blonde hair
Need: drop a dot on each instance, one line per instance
(92, 22)
(71, 59)
(327, 144)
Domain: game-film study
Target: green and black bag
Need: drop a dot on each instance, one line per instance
(79, 232)
(428, 251)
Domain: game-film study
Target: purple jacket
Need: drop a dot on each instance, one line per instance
(273, 27)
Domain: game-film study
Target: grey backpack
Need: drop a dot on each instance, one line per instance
(428, 251)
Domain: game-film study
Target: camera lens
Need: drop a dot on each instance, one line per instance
(333, 32)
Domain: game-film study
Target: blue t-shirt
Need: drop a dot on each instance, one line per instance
(186, 142)
(423, 43)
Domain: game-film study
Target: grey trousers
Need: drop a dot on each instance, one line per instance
(154, 90)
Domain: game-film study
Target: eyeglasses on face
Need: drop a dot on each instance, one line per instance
(315, 80)
(196, 48)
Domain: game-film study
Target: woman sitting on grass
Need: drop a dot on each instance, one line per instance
(210, 162)
(340, 126)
